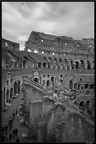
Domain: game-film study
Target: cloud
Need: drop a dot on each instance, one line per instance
(73, 19)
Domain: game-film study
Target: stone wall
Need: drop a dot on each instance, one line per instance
(70, 126)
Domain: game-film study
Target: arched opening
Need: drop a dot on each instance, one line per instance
(39, 65)
(15, 88)
(72, 64)
(77, 65)
(87, 105)
(36, 80)
(82, 64)
(7, 96)
(44, 65)
(75, 85)
(4, 97)
(71, 84)
(48, 82)
(52, 79)
(81, 105)
(86, 86)
(66, 62)
(78, 86)
(88, 65)
(92, 86)
(18, 87)
(61, 81)
(24, 64)
(93, 64)
(11, 93)
(49, 65)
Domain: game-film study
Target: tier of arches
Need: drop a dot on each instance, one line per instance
(87, 107)
(56, 63)
(10, 93)
(81, 86)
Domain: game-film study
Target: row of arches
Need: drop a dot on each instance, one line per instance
(79, 86)
(87, 107)
(57, 63)
(66, 64)
(47, 82)
(8, 94)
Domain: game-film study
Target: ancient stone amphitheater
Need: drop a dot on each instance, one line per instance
(56, 76)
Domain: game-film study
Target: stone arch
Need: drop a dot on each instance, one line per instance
(39, 65)
(71, 84)
(77, 65)
(52, 79)
(49, 65)
(72, 64)
(92, 86)
(88, 65)
(18, 87)
(11, 93)
(81, 103)
(82, 64)
(66, 62)
(7, 95)
(86, 86)
(15, 88)
(44, 65)
(61, 81)
(36, 80)
(4, 97)
(75, 85)
(24, 63)
(48, 82)
(93, 64)
(78, 86)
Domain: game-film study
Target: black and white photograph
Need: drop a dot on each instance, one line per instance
(47, 72)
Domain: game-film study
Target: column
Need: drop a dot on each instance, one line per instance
(35, 107)
(42, 131)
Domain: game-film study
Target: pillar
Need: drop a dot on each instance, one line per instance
(35, 107)
(42, 131)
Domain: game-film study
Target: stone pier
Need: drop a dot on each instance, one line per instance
(35, 110)
(42, 131)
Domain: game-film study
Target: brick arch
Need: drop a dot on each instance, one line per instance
(88, 65)
(40, 65)
(15, 88)
(11, 93)
(36, 80)
(82, 64)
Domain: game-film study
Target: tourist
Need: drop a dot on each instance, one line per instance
(13, 115)
(13, 132)
(16, 132)
(3, 138)
(16, 111)
(10, 137)
(6, 128)
(17, 140)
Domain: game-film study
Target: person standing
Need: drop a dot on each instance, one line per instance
(17, 140)
(13, 132)
(16, 111)
(10, 137)
(16, 131)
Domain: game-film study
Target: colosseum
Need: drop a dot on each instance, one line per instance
(51, 84)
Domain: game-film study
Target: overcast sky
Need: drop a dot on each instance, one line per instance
(73, 19)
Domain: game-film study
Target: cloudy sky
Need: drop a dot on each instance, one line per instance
(73, 19)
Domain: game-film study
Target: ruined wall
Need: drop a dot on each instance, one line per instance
(31, 94)
(70, 126)
(60, 43)
(10, 45)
